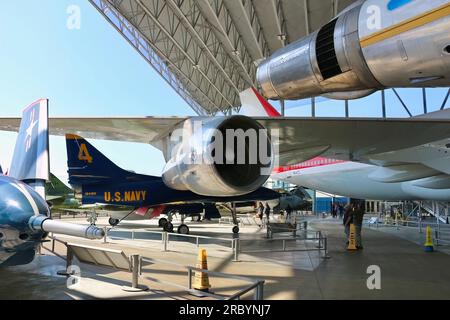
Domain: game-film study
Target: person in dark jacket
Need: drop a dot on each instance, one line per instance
(358, 216)
(341, 210)
(260, 213)
(267, 213)
(288, 213)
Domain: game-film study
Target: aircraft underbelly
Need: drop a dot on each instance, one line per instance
(355, 182)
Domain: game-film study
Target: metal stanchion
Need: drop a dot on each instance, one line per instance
(396, 221)
(190, 279)
(165, 238)
(259, 291)
(438, 230)
(105, 240)
(420, 217)
(69, 259)
(136, 266)
(326, 256)
(135, 271)
(236, 250)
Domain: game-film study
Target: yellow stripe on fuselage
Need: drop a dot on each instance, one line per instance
(407, 25)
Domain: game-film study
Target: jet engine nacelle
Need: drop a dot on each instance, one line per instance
(222, 156)
(368, 47)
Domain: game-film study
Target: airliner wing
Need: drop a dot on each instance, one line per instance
(299, 139)
(130, 129)
(351, 139)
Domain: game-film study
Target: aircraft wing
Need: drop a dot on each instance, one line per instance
(352, 139)
(299, 138)
(131, 129)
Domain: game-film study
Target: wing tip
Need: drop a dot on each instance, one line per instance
(71, 136)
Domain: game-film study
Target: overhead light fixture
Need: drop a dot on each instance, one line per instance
(281, 37)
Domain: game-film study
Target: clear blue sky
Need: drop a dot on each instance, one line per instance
(95, 72)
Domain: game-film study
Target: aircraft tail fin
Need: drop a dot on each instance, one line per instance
(87, 165)
(30, 162)
(254, 105)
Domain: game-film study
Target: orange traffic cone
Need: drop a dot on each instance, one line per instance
(352, 238)
(201, 279)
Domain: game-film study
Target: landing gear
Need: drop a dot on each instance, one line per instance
(162, 222)
(168, 227)
(183, 229)
(235, 220)
(113, 222)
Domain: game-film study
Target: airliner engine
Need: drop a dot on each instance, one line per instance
(223, 156)
(369, 46)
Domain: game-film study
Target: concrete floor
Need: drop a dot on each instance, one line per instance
(407, 272)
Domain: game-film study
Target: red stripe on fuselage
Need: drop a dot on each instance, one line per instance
(313, 163)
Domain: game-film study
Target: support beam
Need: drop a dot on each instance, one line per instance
(313, 107)
(335, 7)
(383, 103)
(200, 41)
(280, 21)
(223, 33)
(180, 48)
(282, 108)
(306, 6)
(254, 27)
(402, 102)
(445, 100)
(153, 56)
(424, 99)
(347, 112)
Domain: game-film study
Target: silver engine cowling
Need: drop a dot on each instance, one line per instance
(327, 61)
(348, 59)
(223, 156)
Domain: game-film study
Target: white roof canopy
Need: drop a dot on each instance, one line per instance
(208, 50)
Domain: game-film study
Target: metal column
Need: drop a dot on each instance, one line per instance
(424, 98)
(347, 113)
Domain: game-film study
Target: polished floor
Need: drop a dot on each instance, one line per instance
(407, 272)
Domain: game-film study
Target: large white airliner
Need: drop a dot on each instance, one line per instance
(415, 173)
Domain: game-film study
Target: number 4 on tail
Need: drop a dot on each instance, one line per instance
(83, 154)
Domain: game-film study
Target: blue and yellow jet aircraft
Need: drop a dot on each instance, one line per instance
(97, 180)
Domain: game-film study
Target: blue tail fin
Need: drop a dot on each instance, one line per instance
(30, 162)
(87, 165)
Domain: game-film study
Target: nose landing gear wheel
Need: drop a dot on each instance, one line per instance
(162, 222)
(235, 229)
(168, 227)
(183, 229)
(113, 222)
